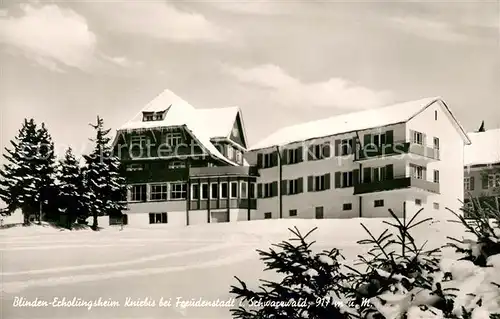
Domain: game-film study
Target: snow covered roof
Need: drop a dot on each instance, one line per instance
(484, 148)
(350, 122)
(204, 124)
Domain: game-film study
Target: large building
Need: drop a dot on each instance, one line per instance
(482, 167)
(185, 166)
(402, 157)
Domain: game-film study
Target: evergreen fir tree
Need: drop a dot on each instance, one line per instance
(46, 167)
(71, 189)
(106, 188)
(19, 185)
(311, 287)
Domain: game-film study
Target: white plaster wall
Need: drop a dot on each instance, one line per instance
(451, 164)
(237, 214)
(138, 213)
(197, 217)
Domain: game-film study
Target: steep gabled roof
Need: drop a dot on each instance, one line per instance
(181, 113)
(355, 121)
(484, 148)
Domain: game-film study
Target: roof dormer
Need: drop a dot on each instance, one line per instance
(148, 116)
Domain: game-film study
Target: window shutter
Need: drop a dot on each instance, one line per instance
(389, 171)
(300, 185)
(274, 158)
(338, 176)
(424, 141)
(274, 188)
(259, 160)
(300, 154)
(284, 190)
(259, 190)
(310, 183)
(284, 156)
(355, 176)
(367, 174)
(337, 147)
(389, 137)
(485, 181)
(328, 180)
(310, 153)
(471, 183)
(326, 149)
(367, 140)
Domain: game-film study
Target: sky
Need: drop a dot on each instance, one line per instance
(282, 62)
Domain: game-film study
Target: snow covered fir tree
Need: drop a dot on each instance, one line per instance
(71, 187)
(60, 192)
(27, 181)
(106, 189)
(401, 279)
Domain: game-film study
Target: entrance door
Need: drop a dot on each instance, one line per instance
(319, 212)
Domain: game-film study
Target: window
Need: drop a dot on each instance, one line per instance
(293, 186)
(239, 156)
(436, 176)
(293, 155)
(418, 202)
(417, 138)
(223, 190)
(244, 190)
(158, 192)
(230, 150)
(379, 203)
(318, 151)
(234, 190)
(268, 189)
(138, 193)
(268, 215)
(436, 143)
(176, 164)
(417, 171)
(347, 180)
(178, 190)
(378, 174)
(346, 147)
(467, 183)
(347, 206)
(158, 218)
(204, 191)
(292, 212)
(379, 139)
(138, 140)
(134, 167)
(493, 180)
(268, 160)
(195, 191)
(148, 117)
(320, 183)
(214, 191)
(435, 115)
(173, 139)
(435, 205)
(319, 212)
(252, 190)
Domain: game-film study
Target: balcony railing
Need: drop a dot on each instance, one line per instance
(398, 182)
(401, 148)
(223, 171)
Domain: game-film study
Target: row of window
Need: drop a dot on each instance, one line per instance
(343, 147)
(140, 167)
(178, 191)
(173, 139)
(489, 181)
(345, 207)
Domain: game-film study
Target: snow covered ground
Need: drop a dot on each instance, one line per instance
(163, 262)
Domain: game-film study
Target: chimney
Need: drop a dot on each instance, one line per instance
(481, 128)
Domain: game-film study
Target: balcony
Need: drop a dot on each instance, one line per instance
(401, 149)
(223, 171)
(397, 183)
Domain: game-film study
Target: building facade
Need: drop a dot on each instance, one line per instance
(185, 166)
(482, 168)
(402, 157)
